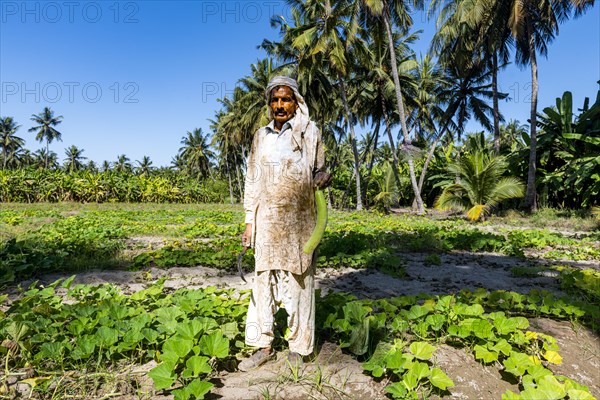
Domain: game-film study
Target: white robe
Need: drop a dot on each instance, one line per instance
(279, 203)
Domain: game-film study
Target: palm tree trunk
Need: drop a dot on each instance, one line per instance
(388, 129)
(239, 181)
(530, 194)
(46, 161)
(411, 167)
(430, 156)
(370, 167)
(495, 103)
(359, 205)
(230, 185)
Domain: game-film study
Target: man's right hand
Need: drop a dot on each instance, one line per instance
(247, 236)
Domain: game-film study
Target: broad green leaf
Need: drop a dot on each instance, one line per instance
(16, 331)
(436, 321)
(439, 379)
(522, 322)
(230, 330)
(483, 354)
(398, 361)
(198, 365)
(551, 387)
(51, 350)
(416, 372)
(502, 346)
(189, 330)
(214, 345)
(517, 363)
(107, 336)
(505, 325)
(207, 324)
(197, 389)
(163, 376)
(416, 312)
(176, 348)
(376, 363)
(474, 310)
(483, 329)
(150, 334)
(397, 390)
(537, 371)
(356, 312)
(422, 350)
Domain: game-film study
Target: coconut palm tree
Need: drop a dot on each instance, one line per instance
(123, 164)
(466, 92)
(45, 130)
(328, 39)
(74, 159)
(197, 153)
(390, 12)
(470, 31)
(144, 166)
(105, 166)
(41, 158)
(476, 184)
(9, 142)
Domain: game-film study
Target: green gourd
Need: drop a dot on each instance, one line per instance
(317, 233)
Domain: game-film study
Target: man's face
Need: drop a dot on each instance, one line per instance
(283, 105)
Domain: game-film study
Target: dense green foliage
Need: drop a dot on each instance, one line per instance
(31, 185)
(44, 239)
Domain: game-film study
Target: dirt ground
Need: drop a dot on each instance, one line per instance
(336, 375)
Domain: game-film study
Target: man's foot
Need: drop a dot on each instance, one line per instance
(255, 360)
(295, 359)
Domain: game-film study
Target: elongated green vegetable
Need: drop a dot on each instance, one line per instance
(317, 233)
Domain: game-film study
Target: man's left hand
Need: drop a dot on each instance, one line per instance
(322, 180)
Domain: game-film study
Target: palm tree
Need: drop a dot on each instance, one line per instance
(122, 165)
(533, 25)
(105, 166)
(145, 166)
(397, 11)
(41, 158)
(475, 184)
(329, 40)
(511, 136)
(8, 141)
(91, 166)
(477, 31)
(73, 161)
(196, 153)
(467, 87)
(45, 130)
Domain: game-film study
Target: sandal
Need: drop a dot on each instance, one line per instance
(255, 360)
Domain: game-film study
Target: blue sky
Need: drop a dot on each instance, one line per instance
(131, 77)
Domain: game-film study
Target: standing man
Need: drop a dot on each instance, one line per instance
(285, 164)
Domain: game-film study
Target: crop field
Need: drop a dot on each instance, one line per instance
(66, 334)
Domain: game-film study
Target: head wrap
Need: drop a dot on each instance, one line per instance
(301, 118)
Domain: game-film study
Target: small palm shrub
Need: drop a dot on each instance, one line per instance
(475, 184)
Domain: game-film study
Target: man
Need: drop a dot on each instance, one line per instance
(285, 164)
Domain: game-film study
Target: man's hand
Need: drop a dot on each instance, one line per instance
(247, 235)
(322, 180)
